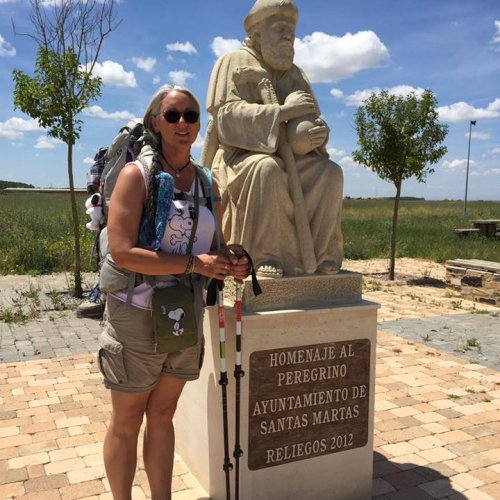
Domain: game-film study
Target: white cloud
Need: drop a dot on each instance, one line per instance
(327, 58)
(186, 47)
(481, 136)
(457, 164)
(221, 45)
(461, 111)
(357, 98)
(179, 77)
(6, 48)
(88, 161)
(198, 144)
(113, 73)
(45, 142)
(14, 128)
(496, 38)
(98, 112)
(337, 93)
(335, 153)
(493, 171)
(145, 63)
(494, 151)
(348, 161)
(156, 80)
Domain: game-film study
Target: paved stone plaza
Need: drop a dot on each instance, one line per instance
(437, 417)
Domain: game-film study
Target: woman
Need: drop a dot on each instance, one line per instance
(151, 382)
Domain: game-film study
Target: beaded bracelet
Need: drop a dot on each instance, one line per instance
(190, 265)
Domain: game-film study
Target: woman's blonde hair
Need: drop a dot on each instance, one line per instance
(154, 139)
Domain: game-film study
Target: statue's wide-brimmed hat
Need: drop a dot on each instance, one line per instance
(263, 9)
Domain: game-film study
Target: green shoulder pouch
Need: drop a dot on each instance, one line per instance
(174, 318)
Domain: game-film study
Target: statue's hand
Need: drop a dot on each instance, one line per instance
(319, 134)
(298, 103)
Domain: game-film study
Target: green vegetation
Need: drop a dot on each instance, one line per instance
(36, 234)
(472, 342)
(69, 36)
(9, 184)
(424, 230)
(399, 137)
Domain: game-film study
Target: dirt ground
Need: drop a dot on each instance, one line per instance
(419, 289)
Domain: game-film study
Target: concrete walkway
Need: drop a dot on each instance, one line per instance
(437, 418)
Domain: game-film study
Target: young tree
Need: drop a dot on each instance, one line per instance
(69, 34)
(399, 137)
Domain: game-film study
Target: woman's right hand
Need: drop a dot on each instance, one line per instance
(213, 265)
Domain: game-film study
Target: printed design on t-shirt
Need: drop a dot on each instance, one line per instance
(180, 226)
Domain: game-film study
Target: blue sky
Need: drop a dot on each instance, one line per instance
(347, 48)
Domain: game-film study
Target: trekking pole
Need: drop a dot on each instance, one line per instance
(227, 466)
(238, 373)
(239, 252)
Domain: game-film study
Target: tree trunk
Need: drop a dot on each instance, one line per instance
(78, 292)
(392, 258)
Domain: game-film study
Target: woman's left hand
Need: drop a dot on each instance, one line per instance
(240, 268)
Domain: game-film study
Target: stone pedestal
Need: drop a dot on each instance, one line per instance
(307, 396)
(475, 279)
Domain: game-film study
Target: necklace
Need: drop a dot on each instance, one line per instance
(176, 172)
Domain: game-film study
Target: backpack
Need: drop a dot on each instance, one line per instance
(126, 147)
(101, 180)
(95, 173)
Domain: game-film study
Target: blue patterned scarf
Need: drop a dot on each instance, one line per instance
(164, 196)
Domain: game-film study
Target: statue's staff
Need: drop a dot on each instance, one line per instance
(246, 74)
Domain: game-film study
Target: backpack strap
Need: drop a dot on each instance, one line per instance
(208, 199)
(130, 287)
(145, 164)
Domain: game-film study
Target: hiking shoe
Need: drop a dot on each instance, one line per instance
(90, 309)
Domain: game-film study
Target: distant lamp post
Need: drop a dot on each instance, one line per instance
(472, 122)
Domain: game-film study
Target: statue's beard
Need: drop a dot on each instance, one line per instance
(278, 58)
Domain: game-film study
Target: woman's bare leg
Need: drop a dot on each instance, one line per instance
(120, 443)
(159, 437)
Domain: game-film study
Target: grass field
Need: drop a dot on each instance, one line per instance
(36, 233)
(424, 229)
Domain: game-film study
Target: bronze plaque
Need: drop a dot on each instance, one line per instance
(307, 401)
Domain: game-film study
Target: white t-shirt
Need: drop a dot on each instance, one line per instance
(176, 239)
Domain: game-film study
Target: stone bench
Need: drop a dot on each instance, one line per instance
(477, 280)
(464, 232)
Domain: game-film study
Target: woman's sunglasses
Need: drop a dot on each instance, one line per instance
(172, 116)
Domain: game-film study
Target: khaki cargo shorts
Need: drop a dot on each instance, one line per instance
(126, 356)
